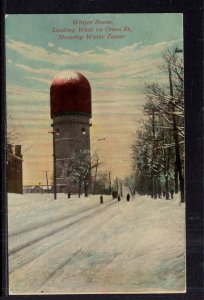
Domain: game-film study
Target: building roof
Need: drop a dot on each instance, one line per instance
(14, 156)
(70, 92)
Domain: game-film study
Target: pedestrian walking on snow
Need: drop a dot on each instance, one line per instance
(172, 193)
(101, 199)
(128, 197)
(118, 198)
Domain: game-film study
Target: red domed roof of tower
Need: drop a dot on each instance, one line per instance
(70, 92)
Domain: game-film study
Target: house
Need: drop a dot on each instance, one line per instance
(14, 169)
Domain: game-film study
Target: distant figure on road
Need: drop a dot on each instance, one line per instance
(69, 195)
(101, 199)
(128, 197)
(172, 193)
(118, 198)
(114, 194)
(164, 194)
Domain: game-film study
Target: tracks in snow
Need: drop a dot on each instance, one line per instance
(52, 221)
(32, 243)
(54, 252)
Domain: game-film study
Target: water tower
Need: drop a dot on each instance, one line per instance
(70, 102)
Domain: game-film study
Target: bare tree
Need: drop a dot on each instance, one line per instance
(110, 182)
(159, 145)
(78, 169)
(130, 182)
(121, 187)
(170, 106)
(102, 184)
(95, 176)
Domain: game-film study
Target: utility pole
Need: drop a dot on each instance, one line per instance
(151, 111)
(54, 167)
(97, 159)
(47, 181)
(121, 188)
(110, 187)
(117, 184)
(54, 161)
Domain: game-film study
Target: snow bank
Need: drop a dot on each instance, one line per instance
(80, 246)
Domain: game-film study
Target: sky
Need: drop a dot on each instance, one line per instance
(120, 55)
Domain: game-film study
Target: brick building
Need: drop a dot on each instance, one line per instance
(14, 169)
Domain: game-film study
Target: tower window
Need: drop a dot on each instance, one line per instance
(83, 130)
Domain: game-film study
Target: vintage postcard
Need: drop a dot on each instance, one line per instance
(95, 153)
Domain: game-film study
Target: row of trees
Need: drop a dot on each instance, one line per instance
(105, 184)
(158, 150)
(83, 169)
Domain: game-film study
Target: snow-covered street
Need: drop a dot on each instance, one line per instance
(78, 245)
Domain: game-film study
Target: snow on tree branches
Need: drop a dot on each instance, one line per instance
(158, 150)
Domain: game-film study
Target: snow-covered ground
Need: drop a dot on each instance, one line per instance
(80, 246)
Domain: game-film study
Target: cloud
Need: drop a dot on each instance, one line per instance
(20, 92)
(124, 69)
(107, 57)
(36, 71)
(39, 79)
(51, 45)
